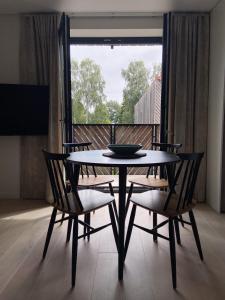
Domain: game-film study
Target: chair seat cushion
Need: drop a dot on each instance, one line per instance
(90, 199)
(150, 181)
(155, 200)
(94, 181)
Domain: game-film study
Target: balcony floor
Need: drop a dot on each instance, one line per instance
(147, 274)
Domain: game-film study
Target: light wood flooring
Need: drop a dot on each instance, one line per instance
(147, 273)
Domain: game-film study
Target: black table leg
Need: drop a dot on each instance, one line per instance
(122, 214)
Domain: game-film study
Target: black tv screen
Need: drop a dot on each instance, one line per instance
(24, 109)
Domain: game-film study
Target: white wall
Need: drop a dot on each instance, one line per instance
(216, 105)
(116, 22)
(116, 26)
(9, 73)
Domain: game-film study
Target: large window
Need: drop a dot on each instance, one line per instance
(116, 80)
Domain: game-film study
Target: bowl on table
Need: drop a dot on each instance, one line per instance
(124, 149)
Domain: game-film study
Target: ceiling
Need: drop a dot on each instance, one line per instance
(117, 6)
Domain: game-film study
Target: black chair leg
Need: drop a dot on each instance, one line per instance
(114, 227)
(154, 224)
(85, 227)
(114, 202)
(128, 197)
(172, 253)
(49, 233)
(177, 230)
(115, 211)
(129, 229)
(111, 189)
(63, 215)
(74, 250)
(88, 222)
(195, 232)
(70, 221)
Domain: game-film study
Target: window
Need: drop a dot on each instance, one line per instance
(116, 80)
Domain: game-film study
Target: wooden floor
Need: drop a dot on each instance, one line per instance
(147, 272)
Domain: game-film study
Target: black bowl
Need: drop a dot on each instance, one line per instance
(124, 149)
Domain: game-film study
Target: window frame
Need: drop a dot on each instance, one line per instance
(115, 41)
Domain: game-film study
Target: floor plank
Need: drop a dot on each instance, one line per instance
(147, 274)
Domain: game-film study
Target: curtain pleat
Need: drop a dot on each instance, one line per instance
(39, 65)
(188, 86)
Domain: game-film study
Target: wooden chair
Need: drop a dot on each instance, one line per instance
(88, 180)
(74, 203)
(153, 181)
(171, 205)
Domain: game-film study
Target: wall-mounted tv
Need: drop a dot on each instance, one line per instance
(24, 109)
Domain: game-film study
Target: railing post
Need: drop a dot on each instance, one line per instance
(113, 134)
(113, 141)
(157, 133)
(153, 133)
(74, 133)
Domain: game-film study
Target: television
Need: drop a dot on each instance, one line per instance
(24, 109)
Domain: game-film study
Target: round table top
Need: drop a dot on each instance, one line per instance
(95, 157)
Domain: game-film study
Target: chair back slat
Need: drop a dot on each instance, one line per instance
(87, 172)
(193, 181)
(171, 148)
(56, 165)
(172, 188)
(63, 182)
(58, 182)
(74, 147)
(73, 172)
(189, 183)
(183, 185)
(51, 177)
(185, 180)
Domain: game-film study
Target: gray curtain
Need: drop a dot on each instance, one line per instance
(188, 86)
(39, 65)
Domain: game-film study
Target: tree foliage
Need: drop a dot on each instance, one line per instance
(87, 90)
(100, 115)
(114, 110)
(136, 78)
(88, 98)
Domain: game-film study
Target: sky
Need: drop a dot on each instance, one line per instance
(112, 61)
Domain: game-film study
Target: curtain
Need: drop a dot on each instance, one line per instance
(186, 87)
(39, 65)
(64, 45)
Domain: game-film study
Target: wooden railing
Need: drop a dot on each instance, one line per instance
(103, 134)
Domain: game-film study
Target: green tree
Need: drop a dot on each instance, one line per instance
(79, 115)
(114, 110)
(100, 115)
(136, 77)
(87, 89)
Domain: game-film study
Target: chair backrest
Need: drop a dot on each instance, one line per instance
(172, 148)
(185, 179)
(74, 147)
(56, 165)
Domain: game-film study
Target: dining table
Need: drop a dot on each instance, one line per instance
(97, 158)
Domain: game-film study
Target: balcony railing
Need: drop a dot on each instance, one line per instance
(103, 134)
